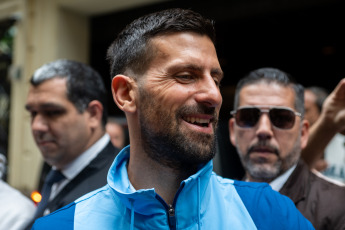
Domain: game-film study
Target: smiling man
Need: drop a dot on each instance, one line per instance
(166, 79)
(269, 133)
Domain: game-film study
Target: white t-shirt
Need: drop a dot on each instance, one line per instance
(16, 210)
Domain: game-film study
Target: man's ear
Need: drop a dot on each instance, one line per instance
(95, 109)
(123, 90)
(304, 133)
(231, 131)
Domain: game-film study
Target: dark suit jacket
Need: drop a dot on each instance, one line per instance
(92, 177)
(320, 201)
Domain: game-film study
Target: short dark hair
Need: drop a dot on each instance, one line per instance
(131, 50)
(272, 75)
(83, 83)
(320, 94)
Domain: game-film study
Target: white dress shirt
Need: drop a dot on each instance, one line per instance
(279, 182)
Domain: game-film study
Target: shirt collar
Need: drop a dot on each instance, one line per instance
(278, 183)
(73, 168)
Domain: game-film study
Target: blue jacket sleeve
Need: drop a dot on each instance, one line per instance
(60, 219)
(277, 211)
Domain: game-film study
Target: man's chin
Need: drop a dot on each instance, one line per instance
(263, 172)
(264, 159)
(198, 152)
(49, 153)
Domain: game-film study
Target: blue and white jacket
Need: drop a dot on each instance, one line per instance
(204, 201)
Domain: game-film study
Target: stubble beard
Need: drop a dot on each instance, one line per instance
(165, 142)
(265, 172)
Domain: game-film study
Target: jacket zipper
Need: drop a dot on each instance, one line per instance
(170, 213)
(172, 219)
(170, 208)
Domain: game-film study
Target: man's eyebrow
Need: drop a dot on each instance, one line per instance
(218, 72)
(192, 67)
(46, 106)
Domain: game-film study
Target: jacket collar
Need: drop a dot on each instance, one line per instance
(144, 201)
(296, 187)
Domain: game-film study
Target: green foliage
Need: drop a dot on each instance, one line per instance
(6, 42)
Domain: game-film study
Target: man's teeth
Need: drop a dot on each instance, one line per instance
(197, 120)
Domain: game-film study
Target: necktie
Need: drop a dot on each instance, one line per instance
(53, 176)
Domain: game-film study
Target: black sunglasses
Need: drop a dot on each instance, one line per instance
(280, 117)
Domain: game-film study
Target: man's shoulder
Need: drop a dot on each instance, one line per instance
(318, 198)
(320, 183)
(254, 194)
(327, 182)
(326, 192)
(265, 205)
(253, 190)
(242, 185)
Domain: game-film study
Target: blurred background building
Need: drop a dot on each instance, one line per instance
(302, 37)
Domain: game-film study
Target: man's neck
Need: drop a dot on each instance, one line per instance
(145, 173)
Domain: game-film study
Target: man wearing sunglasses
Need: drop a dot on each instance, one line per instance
(269, 132)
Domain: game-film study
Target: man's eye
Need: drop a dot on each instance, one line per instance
(52, 113)
(184, 77)
(216, 81)
(33, 114)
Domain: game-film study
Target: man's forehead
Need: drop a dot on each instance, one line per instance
(308, 95)
(44, 105)
(267, 94)
(46, 98)
(267, 87)
(186, 50)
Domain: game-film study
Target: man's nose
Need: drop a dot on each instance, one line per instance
(209, 93)
(39, 124)
(264, 127)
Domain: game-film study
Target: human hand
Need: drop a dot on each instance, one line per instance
(333, 108)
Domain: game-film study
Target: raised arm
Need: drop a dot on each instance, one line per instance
(330, 122)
